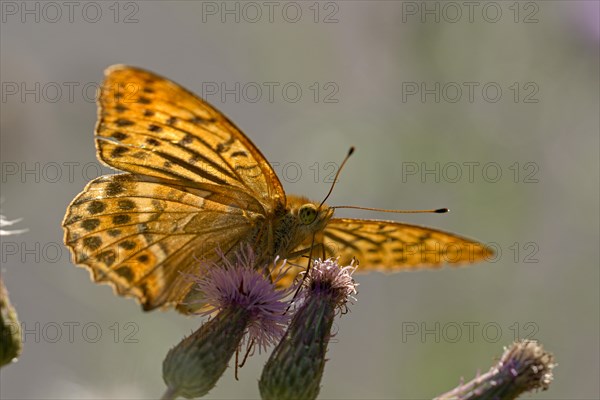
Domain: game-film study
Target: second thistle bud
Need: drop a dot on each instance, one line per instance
(295, 368)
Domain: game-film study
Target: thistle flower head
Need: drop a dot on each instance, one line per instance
(528, 364)
(239, 284)
(326, 276)
(524, 366)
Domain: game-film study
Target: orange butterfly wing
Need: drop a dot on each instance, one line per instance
(387, 246)
(392, 246)
(195, 183)
(150, 125)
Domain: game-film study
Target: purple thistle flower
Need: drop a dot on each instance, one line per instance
(329, 278)
(295, 368)
(240, 285)
(248, 310)
(524, 366)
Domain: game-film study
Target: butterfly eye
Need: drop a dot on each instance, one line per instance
(307, 214)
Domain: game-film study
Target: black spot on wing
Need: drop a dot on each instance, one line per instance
(125, 273)
(239, 153)
(126, 204)
(114, 188)
(119, 135)
(107, 257)
(154, 128)
(124, 122)
(245, 167)
(152, 142)
(92, 242)
(114, 232)
(128, 244)
(225, 146)
(140, 155)
(121, 219)
(158, 205)
(425, 236)
(90, 224)
(187, 139)
(96, 207)
(197, 120)
(119, 151)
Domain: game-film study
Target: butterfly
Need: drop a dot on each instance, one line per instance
(194, 185)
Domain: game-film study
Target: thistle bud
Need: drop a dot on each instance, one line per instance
(295, 368)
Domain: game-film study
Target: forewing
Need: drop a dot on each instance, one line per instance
(150, 125)
(143, 235)
(392, 246)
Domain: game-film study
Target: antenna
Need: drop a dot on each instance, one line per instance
(350, 152)
(437, 211)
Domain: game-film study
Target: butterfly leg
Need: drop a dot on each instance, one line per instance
(301, 253)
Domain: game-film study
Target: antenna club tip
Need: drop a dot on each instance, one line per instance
(351, 151)
(442, 210)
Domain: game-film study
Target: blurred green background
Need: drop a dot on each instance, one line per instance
(358, 65)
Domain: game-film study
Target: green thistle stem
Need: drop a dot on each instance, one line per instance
(193, 367)
(10, 330)
(295, 368)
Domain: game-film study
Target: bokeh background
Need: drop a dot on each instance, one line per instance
(357, 64)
